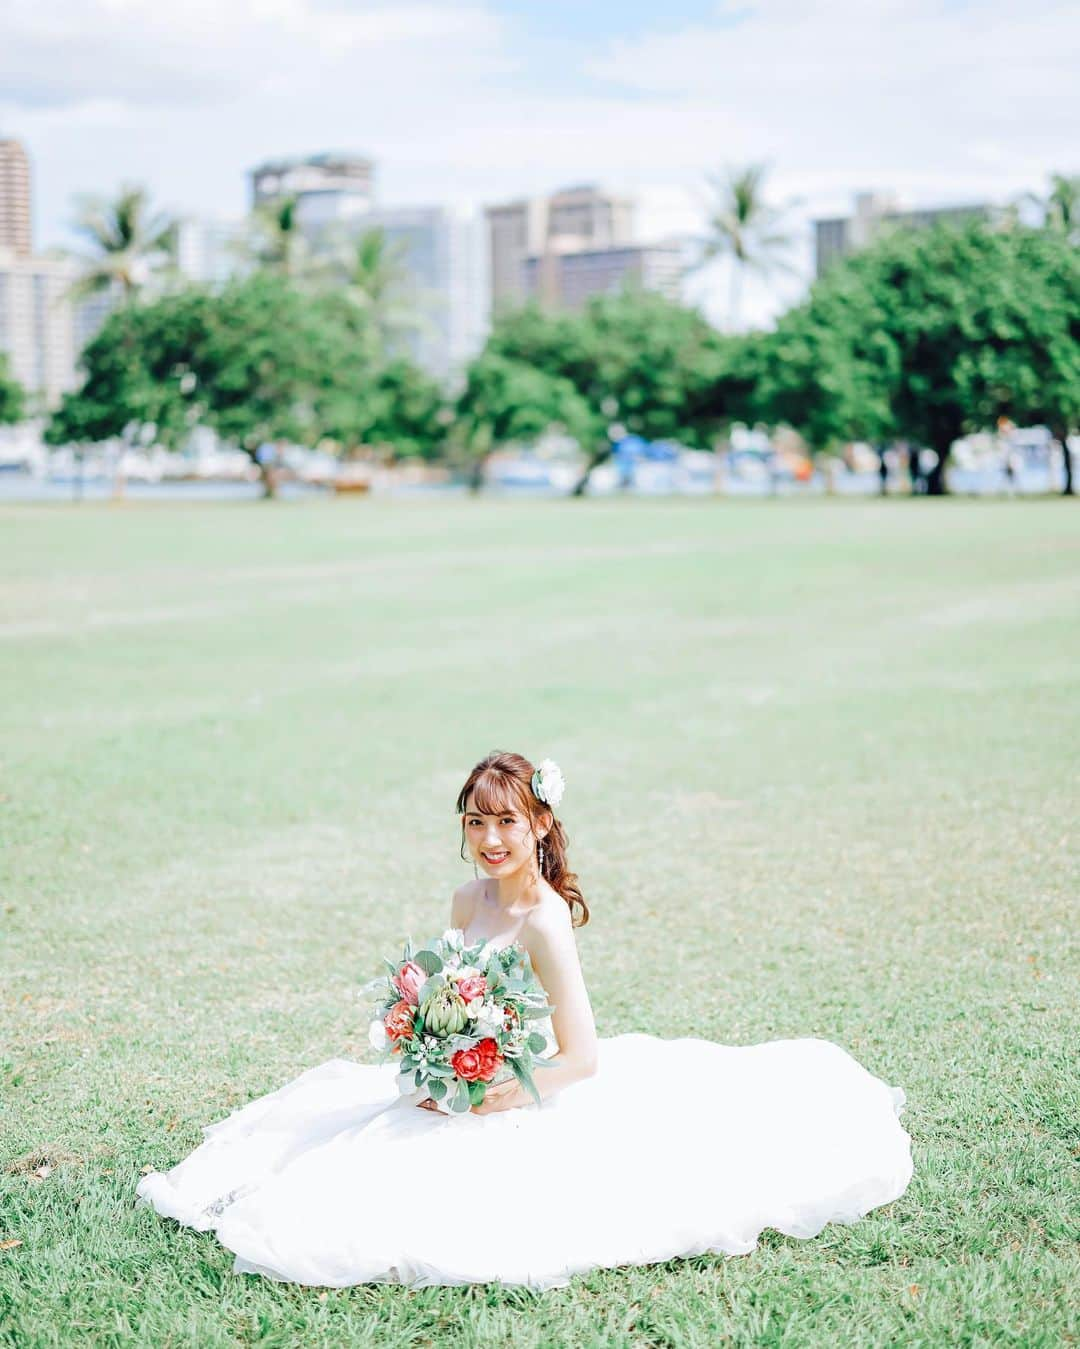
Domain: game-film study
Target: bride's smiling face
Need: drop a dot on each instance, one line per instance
(500, 843)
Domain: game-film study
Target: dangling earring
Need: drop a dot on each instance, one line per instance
(541, 857)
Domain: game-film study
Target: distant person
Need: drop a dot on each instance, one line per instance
(915, 470)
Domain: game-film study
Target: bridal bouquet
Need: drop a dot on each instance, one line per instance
(456, 1018)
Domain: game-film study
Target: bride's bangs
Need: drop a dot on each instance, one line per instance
(493, 794)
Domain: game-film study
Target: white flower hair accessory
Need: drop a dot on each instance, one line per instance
(548, 782)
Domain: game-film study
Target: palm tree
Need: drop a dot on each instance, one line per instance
(377, 281)
(128, 243)
(1060, 207)
(276, 240)
(746, 228)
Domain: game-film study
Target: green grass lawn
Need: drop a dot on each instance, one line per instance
(822, 780)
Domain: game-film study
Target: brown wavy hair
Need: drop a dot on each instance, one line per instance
(502, 779)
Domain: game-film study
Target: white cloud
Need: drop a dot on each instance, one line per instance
(149, 53)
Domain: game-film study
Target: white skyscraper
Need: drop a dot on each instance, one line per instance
(209, 250)
(36, 329)
(441, 255)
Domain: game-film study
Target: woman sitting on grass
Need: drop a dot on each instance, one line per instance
(640, 1148)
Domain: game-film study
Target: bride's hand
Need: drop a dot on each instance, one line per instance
(505, 1096)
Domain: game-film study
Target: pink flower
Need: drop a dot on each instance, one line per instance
(409, 980)
(399, 1021)
(475, 986)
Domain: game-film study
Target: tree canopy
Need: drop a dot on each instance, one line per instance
(930, 334)
(633, 357)
(259, 361)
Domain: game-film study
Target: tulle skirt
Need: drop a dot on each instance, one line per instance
(673, 1147)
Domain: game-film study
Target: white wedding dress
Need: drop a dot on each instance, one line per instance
(673, 1147)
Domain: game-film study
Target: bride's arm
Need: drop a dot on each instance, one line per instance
(553, 953)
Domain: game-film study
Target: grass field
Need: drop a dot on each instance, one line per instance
(821, 763)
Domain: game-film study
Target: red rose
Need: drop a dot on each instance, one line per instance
(399, 1021)
(490, 1058)
(475, 986)
(468, 1065)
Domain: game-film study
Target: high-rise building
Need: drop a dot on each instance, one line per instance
(516, 230)
(328, 186)
(585, 217)
(442, 295)
(36, 330)
(565, 279)
(571, 220)
(209, 250)
(840, 235)
(16, 225)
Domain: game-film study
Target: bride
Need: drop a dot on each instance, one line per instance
(641, 1149)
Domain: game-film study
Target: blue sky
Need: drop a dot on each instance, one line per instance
(469, 101)
(580, 21)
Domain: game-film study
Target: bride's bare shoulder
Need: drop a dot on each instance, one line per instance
(550, 921)
(463, 904)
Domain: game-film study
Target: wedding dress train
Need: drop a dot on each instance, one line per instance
(673, 1147)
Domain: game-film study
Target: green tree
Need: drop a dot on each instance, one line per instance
(744, 227)
(828, 366)
(260, 361)
(129, 243)
(1060, 216)
(506, 400)
(927, 335)
(395, 406)
(636, 359)
(12, 397)
(137, 375)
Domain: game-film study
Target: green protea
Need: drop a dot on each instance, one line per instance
(444, 1011)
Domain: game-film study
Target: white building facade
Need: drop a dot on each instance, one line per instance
(37, 333)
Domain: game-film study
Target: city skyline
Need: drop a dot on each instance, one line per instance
(468, 105)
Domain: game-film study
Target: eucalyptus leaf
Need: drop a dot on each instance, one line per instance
(536, 1042)
(532, 1013)
(476, 1092)
(429, 986)
(525, 1077)
(436, 1089)
(428, 961)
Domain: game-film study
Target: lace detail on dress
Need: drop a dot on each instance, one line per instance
(218, 1207)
